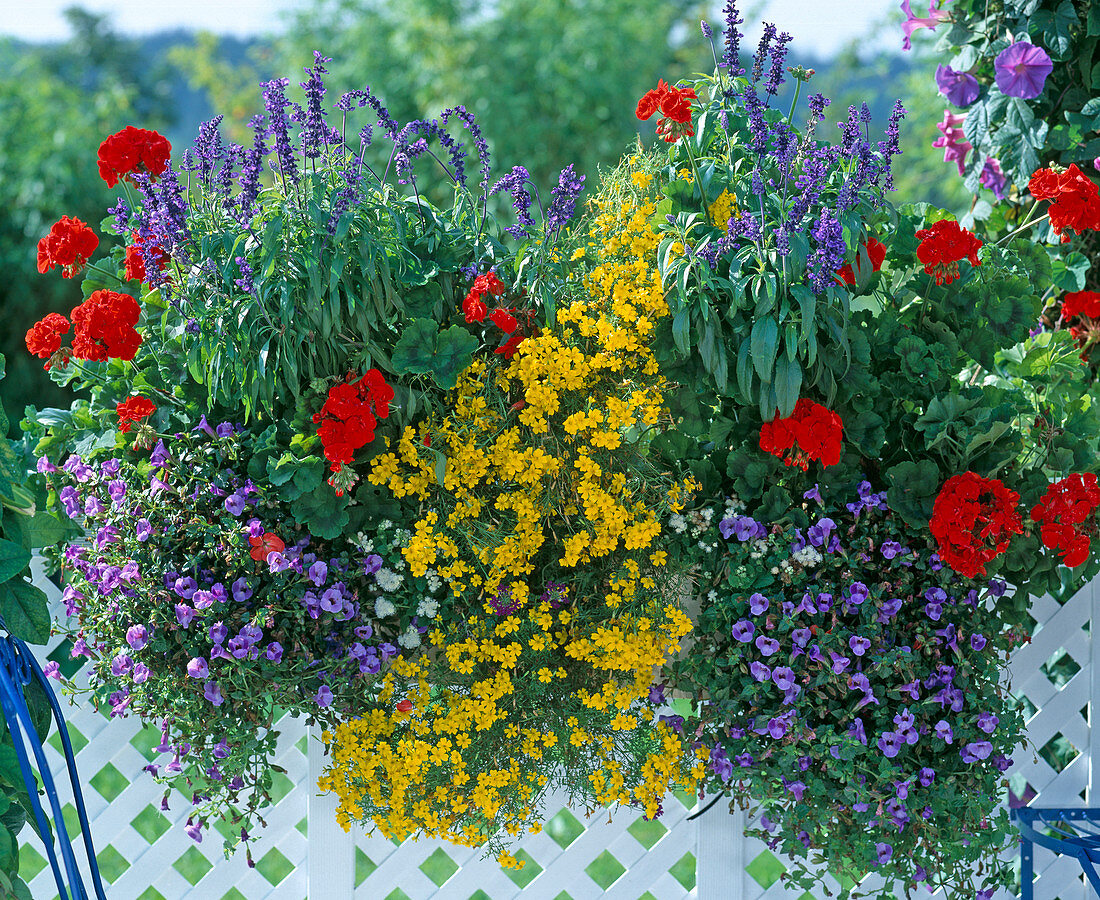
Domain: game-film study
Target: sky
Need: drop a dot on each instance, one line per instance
(819, 28)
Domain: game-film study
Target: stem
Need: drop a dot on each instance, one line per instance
(1027, 223)
(794, 102)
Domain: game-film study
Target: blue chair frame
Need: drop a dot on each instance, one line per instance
(1076, 833)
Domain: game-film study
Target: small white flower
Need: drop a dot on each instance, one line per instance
(712, 596)
(433, 579)
(775, 570)
(384, 607)
(428, 607)
(409, 638)
(677, 523)
(388, 580)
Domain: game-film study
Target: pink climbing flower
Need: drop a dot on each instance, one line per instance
(954, 143)
(912, 23)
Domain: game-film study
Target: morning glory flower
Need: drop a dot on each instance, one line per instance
(1022, 69)
(960, 88)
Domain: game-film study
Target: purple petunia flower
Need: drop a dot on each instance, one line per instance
(137, 636)
(812, 494)
(198, 668)
(743, 631)
(202, 599)
(194, 831)
(140, 673)
(987, 722)
(783, 676)
(890, 549)
(241, 590)
(760, 671)
(212, 691)
(927, 776)
(758, 604)
(234, 504)
(859, 644)
(318, 572)
(890, 608)
(324, 696)
(933, 611)
(801, 636)
(797, 788)
(766, 645)
(1022, 69)
(960, 88)
(839, 663)
(977, 641)
(218, 633)
(890, 744)
(944, 732)
(883, 852)
(185, 588)
(975, 751)
(184, 614)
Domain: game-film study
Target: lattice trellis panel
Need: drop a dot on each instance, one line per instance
(144, 853)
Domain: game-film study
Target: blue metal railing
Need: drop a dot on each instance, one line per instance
(1076, 832)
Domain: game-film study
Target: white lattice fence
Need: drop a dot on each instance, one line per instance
(144, 854)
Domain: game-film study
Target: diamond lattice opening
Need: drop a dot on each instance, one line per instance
(150, 824)
(364, 865)
(112, 864)
(765, 869)
(192, 865)
(564, 828)
(605, 870)
(1059, 752)
(274, 866)
(683, 870)
(647, 832)
(523, 877)
(110, 782)
(439, 867)
(1060, 668)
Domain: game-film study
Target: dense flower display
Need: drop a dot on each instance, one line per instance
(103, 327)
(811, 432)
(674, 104)
(43, 339)
(973, 520)
(1075, 199)
(68, 245)
(131, 151)
(943, 245)
(1065, 514)
(347, 420)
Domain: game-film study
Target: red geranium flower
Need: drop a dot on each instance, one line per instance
(104, 327)
(69, 244)
(133, 150)
(876, 250)
(509, 347)
(265, 544)
(1081, 303)
(504, 320)
(346, 422)
(44, 336)
(132, 411)
(812, 431)
(1065, 513)
(942, 245)
(972, 521)
(675, 106)
(1043, 184)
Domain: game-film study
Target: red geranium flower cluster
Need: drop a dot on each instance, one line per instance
(972, 521)
(44, 337)
(1076, 199)
(132, 411)
(346, 421)
(135, 262)
(103, 327)
(1081, 303)
(1065, 513)
(812, 431)
(133, 150)
(876, 250)
(675, 106)
(69, 244)
(476, 310)
(942, 245)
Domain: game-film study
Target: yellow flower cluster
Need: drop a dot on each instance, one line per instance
(539, 509)
(722, 209)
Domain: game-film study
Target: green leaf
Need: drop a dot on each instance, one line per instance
(415, 348)
(764, 344)
(23, 607)
(454, 352)
(1069, 273)
(13, 559)
(912, 489)
(744, 371)
(788, 383)
(322, 512)
(43, 529)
